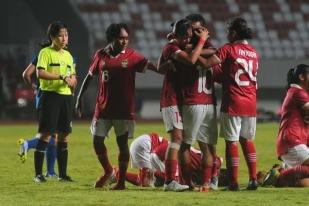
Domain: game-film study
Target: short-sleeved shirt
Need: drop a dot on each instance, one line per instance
(239, 65)
(293, 129)
(160, 151)
(57, 63)
(156, 141)
(197, 86)
(116, 93)
(171, 89)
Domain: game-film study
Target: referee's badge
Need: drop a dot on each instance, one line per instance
(124, 63)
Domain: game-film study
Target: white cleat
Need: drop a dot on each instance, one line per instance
(175, 187)
(214, 183)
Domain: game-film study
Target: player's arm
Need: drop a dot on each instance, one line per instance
(208, 52)
(162, 68)
(83, 88)
(28, 73)
(206, 63)
(192, 57)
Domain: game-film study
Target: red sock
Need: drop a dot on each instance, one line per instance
(170, 170)
(103, 159)
(232, 161)
(216, 166)
(250, 156)
(133, 178)
(290, 176)
(185, 173)
(207, 173)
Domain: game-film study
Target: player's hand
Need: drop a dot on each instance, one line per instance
(70, 82)
(202, 32)
(189, 48)
(78, 107)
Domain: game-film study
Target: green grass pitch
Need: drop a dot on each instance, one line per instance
(18, 188)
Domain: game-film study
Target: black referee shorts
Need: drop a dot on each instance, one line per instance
(55, 113)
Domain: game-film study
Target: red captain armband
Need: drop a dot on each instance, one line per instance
(201, 41)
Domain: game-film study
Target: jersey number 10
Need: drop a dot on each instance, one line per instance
(204, 81)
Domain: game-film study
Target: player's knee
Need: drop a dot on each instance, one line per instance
(176, 136)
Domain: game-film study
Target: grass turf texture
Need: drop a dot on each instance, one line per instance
(18, 188)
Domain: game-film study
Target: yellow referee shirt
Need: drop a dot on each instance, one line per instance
(57, 63)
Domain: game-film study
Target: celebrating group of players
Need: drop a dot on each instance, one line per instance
(191, 66)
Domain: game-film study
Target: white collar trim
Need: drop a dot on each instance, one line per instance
(296, 86)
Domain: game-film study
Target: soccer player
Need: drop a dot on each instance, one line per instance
(239, 65)
(171, 93)
(144, 159)
(158, 156)
(56, 74)
(199, 113)
(292, 139)
(116, 66)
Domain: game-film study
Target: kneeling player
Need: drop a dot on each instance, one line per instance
(292, 139)
(143, 158)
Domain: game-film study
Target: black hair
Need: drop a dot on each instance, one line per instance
(52, 31)
(240, 26)
(113, 31)
(197, 18)
(293, 73)
(181, 27)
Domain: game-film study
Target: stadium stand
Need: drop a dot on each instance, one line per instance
(281, 26)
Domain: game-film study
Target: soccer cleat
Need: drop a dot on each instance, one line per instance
(214, 183)
(106, 179)
(271, 177)
(118, 187)
(175, 186)
(39, 179)
(205, 188)
(53, 175)
(252, 185)
(65, 179)
(23, 148)
(233, 188)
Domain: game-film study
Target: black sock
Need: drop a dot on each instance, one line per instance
(62, 158)
(39, 156)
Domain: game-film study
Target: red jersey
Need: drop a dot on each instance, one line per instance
(198, 86)
(239, 65)
(171, 90)
(195, 155)
(116, 94)
(293, 130)
(156, 141)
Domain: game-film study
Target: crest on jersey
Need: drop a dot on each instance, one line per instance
(124, 63)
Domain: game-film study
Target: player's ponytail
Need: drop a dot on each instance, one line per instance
(240, 27)
(293, 73)
(290, 77)
(52, 31)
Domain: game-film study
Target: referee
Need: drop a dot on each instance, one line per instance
(57, 78)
